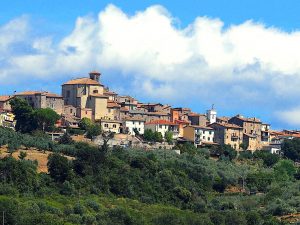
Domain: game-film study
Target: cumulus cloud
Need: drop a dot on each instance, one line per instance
(292, 116)
(247, 64)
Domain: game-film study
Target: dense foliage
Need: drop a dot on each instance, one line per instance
(29, 119)
(129, 186)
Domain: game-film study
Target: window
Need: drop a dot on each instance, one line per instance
(114, 125)
(105, 125)
(160, 126)
(208, 138)
(68, 94)
(139, 129)
(95, 91)
(71, 110)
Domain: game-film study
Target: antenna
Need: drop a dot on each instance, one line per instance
(213, 106)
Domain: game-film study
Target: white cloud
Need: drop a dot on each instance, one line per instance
(292, 116)
(244, 64)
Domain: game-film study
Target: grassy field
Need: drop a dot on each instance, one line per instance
(32, 154)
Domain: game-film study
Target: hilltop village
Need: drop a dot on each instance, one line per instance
(88, 98)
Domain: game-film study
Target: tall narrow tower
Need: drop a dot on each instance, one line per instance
(211, 115)
(95, 75)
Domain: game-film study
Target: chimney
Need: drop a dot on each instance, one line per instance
(95, 75)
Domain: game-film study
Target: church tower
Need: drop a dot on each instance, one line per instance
(95, 75)
(211, 115)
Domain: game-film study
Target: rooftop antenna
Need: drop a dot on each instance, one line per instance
(213, 106)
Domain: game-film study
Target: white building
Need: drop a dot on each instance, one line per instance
(163, 126)
(133, 123)
(199, 135)
(211, 115)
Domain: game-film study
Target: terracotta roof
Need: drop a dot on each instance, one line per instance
(85, 80)
(98, 95)
(112, 104)
(195, 114)
(202, 127)
(46, 93)
(124, 109)
(5, 98)
(162, 122)
(227, 125)
(181, 122)
(158, 113)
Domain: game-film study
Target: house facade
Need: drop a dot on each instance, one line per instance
(42, 100)
(130, 124)
(163, 126)
(4, 103)
(113, 126)
(228, 134)
(199, 135)
(251, 128)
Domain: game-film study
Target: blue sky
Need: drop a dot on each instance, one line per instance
(240, 55)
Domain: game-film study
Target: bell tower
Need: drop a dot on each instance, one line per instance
(211, 115)
(95, 75)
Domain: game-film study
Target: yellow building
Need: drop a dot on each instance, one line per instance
(113, 126)
(199, 135)
(7, 120)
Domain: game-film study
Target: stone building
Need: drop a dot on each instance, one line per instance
(43, 99)
(228, 134)
(4, 103)
(251, 129)
(87, 93)
(197, 119)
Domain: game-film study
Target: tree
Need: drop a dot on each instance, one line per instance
(268, 158)
(45, 118)
(224, 151)
(148, 135)
(66, 139)
(58, 167)
(157, 136)
(291, 149)
(85, 123)
(93, 131)
(23, 114)
(169, 137)
(22, 155)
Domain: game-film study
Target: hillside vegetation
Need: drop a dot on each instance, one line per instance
(130, 186)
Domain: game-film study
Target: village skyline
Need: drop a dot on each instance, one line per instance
(243, 60)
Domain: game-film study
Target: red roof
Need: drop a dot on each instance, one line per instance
(162, 122)
(182, 122)
(5, 98)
